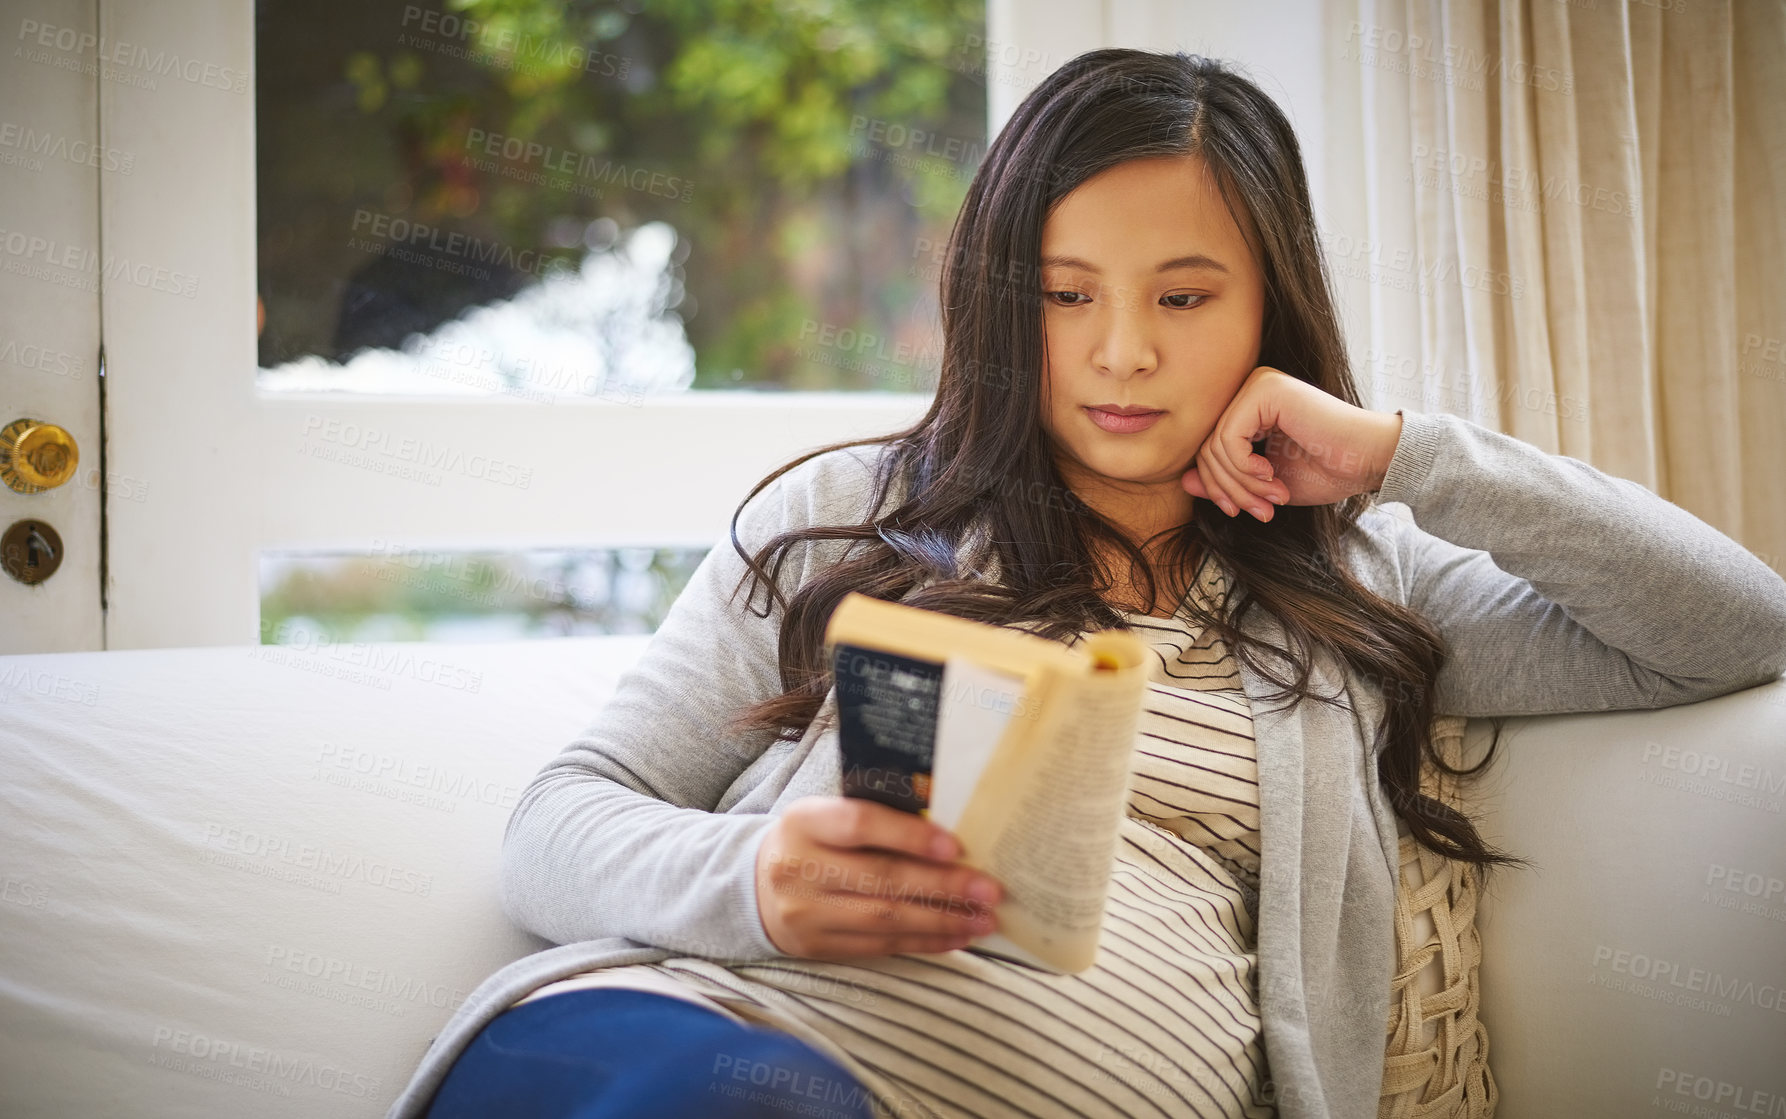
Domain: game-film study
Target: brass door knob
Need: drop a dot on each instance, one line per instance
(36, 456)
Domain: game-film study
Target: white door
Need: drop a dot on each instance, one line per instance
(227, 469)
(52, 264)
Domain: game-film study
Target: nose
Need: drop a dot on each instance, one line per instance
(1126, 344)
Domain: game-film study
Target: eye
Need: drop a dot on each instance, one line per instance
(1184, 295)
(1058, 302)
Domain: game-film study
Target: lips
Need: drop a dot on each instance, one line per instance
(1124, 409)
(1123, 422)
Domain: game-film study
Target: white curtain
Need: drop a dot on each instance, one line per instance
(1567, 221)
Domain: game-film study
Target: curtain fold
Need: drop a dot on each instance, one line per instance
(1759, 69)
(1573, 230)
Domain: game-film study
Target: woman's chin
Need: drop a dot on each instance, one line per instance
(1140, 467)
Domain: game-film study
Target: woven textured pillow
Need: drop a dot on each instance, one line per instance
(1435, 1062)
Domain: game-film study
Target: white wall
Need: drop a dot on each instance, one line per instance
(1276, 43)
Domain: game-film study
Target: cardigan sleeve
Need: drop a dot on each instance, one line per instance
(1557, 587)
(617, 835)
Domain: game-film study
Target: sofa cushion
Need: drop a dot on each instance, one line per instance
(256, 881)
(1640, 968)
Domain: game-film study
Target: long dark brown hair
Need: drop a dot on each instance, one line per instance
(976, 477)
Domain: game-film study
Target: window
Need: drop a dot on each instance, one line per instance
(540, 198)
(403, 594)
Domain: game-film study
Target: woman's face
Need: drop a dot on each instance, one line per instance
(1151, 299)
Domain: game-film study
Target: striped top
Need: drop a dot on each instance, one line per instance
(1165, 1023)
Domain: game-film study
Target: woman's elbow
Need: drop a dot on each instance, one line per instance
(520, 872)
(1671, 691)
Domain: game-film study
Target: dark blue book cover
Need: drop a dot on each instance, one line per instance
(887, 708)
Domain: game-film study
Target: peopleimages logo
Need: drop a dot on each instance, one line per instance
(328, 969)
(28, 141)
(1682, 984)
(401, 231)
(364, 445)
(1762, 886)
(28, 355)
(421, 775)
(569, 165)
(46, 684)
(353, 866)
(210, 1055)
(114, 54)
(1714, 776)
(37, 257)
(373, 664)
(1717, 1093)
(503, 47)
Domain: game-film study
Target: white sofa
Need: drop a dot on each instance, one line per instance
(254, 881)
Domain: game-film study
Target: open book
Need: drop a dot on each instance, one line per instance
(1020, 745)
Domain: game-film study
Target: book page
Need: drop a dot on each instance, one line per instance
(1044, 818)
(975, 704)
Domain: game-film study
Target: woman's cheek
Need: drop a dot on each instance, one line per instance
(1189, 436)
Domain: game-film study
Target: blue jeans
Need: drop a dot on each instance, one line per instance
(613, 1053)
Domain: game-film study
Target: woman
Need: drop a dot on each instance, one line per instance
(1139, 237)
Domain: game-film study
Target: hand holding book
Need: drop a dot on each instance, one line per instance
(839, 877)
(1021, 744)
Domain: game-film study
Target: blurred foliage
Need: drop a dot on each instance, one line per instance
(779, 82)
(776, 111)
(448, 596)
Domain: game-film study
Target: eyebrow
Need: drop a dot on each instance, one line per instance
(1194, 260)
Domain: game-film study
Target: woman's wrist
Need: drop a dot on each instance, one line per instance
(1409, 465)
(1388, 437)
